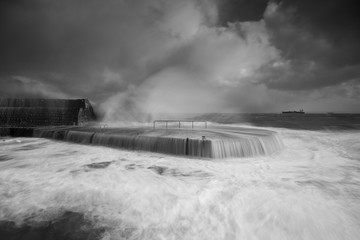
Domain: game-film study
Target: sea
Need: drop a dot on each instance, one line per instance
(309, 190)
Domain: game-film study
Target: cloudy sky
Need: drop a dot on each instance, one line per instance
(184, 55)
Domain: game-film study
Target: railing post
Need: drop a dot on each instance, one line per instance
(205, 124)
(179, 124)
(202, 146)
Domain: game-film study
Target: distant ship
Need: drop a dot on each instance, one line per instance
(297, 112)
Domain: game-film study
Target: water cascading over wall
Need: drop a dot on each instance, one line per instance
(213, 147)
(44, 112)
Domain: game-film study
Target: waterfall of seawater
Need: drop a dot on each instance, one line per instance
(221, 147)
(252, 146)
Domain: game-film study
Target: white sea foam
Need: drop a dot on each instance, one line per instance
(310, 190)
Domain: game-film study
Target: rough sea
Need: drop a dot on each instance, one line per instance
(309, 190)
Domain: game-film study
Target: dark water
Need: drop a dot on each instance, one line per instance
(69, 226)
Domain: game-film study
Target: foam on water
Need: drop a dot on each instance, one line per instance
(309, 190)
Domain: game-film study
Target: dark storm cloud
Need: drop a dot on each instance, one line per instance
(339, 20)
(318, 40)
(241, 10)
(317, 53)
(58, 42)
(170, 55)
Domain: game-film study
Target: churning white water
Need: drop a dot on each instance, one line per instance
(310, 190)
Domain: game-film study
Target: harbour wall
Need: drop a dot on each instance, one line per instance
(15, 112)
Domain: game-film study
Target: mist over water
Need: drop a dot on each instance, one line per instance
(309, 190)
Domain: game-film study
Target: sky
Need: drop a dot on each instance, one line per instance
(190, 56)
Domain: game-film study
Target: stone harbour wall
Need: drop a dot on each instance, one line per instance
(44, 112)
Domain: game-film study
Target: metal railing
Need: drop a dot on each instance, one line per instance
(178, 121)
